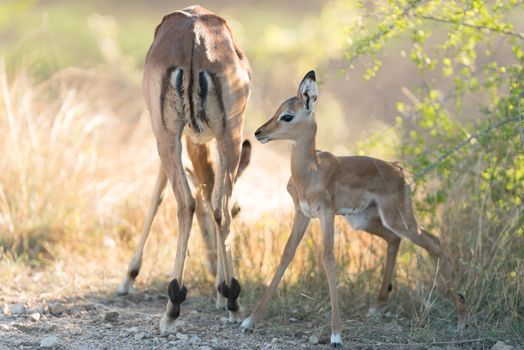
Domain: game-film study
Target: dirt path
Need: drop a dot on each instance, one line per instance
(131, 322)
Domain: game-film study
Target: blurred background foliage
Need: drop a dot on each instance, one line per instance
(403, 80)
(469, 57)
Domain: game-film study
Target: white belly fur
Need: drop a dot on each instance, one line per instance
(359, 220)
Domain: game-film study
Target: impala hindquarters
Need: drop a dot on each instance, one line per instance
(196, 82)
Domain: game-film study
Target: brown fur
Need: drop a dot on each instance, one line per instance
(371, 193)
(196, 83)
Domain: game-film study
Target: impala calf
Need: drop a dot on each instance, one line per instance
(370, 193)
(196, 83)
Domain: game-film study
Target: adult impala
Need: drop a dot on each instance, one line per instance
(196, 83)
(370, 193)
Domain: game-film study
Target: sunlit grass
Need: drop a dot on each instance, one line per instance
(79, 162)
(78, 168)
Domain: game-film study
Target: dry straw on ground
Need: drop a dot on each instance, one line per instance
(77, 168)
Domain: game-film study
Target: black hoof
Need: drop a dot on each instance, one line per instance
(230, 293)
(336, 345)
(174, 312)
(176, 294)
(133, 273)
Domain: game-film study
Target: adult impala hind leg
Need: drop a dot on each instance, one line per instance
(300, 224)
(375, 227)
(229, 148)
(203, 179)
(171, 156)
(136, 261)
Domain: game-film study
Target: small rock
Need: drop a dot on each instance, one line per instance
(132, 330)
(17, 309)
(180, 325)
(140, 336)
(194, 339)
(205, 347)
(224, 320)
(313, 340)
(108, 325)
(75, 331)
(5, 327)
(56, 309)
(35, 316)
(49, 342)
(182, 336)
(500, 345)
(41, 309)
(111, 316)
(87, 306)
(271, 345)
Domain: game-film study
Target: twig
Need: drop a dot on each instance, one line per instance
(381, 33)
(404, 345)
(466, 141)
(521, 96)
(471, 25)
(458, 341)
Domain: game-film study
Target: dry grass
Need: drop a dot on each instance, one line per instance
(78, 165)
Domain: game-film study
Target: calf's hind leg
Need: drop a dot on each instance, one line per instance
(400, 220)
(376, 228)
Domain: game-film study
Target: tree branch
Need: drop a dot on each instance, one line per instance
(471, 25)
(423, 172)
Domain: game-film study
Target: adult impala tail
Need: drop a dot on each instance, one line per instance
(370, 193)
(196, 83)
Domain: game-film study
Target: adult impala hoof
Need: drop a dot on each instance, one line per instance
(231, 293)
(167, 325)
(234, 317)
(221, 302)
(126, 287)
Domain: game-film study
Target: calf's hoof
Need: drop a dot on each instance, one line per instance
(248, 324)
(336, 340)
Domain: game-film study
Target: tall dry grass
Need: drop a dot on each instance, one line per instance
(78, 165)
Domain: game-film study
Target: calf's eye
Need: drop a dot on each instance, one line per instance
(286, 118)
